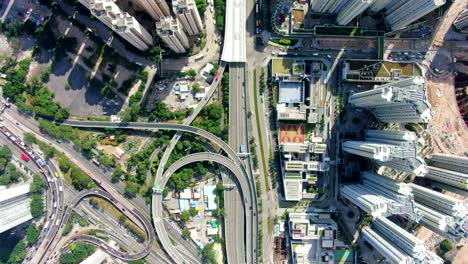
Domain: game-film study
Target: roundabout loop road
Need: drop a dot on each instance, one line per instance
(102, 244)
(192, 158)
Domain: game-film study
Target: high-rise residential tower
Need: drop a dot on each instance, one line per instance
(328, 6)
(389, 232)
(403, 101)
(410, 11)
(449, 169)
(352, 9)
(121, 22)
(187, 13)
(380, 196)
(379, 5)
(393, 149)
(171, 32)
(155, 8)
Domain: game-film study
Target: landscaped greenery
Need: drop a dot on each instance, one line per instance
(8, 172)
(18, 254)
(210, 119)
(209, 254)
(30, 97)
(220, 10)
(32, 234)
(78, 252)
(37, 187)
(285, 42)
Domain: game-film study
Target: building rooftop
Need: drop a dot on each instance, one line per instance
(281, 66)
(291, 133)
(208, 191)
(378, 71)
(291, 92)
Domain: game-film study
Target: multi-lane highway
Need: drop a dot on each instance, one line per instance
(235, 240)
(55, 187)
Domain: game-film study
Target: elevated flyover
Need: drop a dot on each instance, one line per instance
(234, 31)
(102, 244)
(251, 237)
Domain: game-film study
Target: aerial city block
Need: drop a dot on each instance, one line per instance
(234, 131)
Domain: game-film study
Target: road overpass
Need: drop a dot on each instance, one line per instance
(102, 244)
(200, 132)
(234, 31)
(234, 168)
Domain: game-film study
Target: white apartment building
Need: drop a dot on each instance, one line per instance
(410, 11)
(403, 101)
(171, 32)
(351, 10)
(187, 13)
(449, 169)
(155, 8)
(120, 22)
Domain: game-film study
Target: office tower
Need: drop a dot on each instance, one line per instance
(406, 242)
(403, 101)
(380, 196)
(155, 8)
(15, 207)
(187, 13)
(352, 9)
(462, 20)
(129, 29)
(440, 202)
(328, 6)
(411, 11)
(122, 23)
(368, 149)
(449, 169)
(392, 253)
(379, 5)
(171, 32)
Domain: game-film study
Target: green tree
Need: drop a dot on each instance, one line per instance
(18, 254)
(117, 174)
(29, 138)
(185, 233)
(209, 254)
(32, 234)
(185, 216)
(78, 252)
(37, 207)
(131, 189)
(196, 87)
(192, 72)
(38, 185)
(67, 229)
(193, 212)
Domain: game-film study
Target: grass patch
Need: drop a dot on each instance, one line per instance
(265, 170)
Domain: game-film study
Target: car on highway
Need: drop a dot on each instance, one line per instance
(24, 157)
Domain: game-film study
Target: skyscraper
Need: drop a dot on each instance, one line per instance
(128, 28)
(449, 169)
(352, 9)
(187, 13)
(410, 11)
(328, 6)
(408, 243)
(379, 5)
(439, 201)
(462, 20)
(171, 32)
(380, 196)
(155, 8)
(392, 253)
(122, 23)
(393, 149)
(403, 101)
